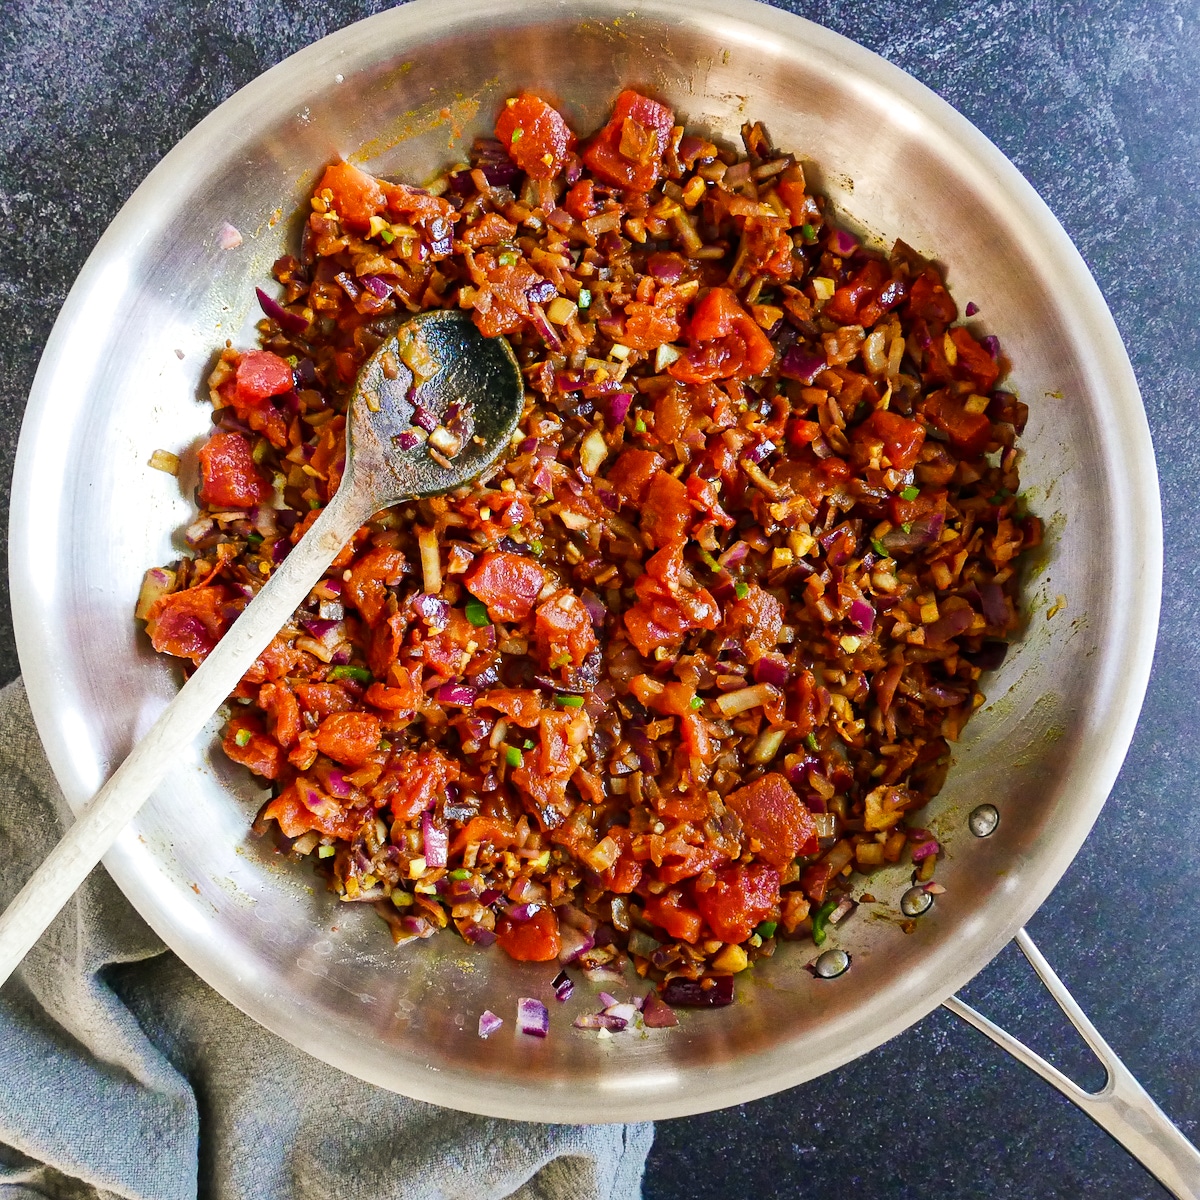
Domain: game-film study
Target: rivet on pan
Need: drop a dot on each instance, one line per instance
(831, 964)
(983, 820)
(915, 901)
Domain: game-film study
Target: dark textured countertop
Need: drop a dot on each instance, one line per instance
(1101, 111)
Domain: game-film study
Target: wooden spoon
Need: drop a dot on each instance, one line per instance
(389, 458)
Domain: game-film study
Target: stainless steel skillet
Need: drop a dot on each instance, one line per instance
(88, 517)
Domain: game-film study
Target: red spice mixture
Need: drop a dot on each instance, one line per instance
(697, 649)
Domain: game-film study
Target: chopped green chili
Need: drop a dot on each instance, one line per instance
(358, 674)
(513, 756)
(820, 917)
(910, 493)
(477, 613)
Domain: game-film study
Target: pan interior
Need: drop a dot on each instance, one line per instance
(123, 375)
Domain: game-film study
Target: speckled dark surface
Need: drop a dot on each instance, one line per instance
(1101, 111)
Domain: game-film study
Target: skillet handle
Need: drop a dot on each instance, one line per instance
(1122, 1107)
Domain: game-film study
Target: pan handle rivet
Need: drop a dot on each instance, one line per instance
(983, 820)
(831, 964)
(915, 901)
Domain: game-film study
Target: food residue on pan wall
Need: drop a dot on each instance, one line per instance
(458, 114)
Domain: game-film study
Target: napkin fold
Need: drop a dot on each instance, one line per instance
(122, 1074)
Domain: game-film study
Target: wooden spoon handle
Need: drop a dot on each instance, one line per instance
(96, 828)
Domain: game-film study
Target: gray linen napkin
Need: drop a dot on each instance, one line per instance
(122, 1074)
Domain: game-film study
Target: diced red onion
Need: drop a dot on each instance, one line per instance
(488, 897)
(287, 321)
(424, 418)
(561, 220)
(418, 927)
(335, 781)
(991, 344)
(477, 935)
(563, 986)
(920, 835)
(616, 408)
(623, 1012)
(407, 440)
(533, 1017)
(972, 308)
(489, 1023)
(924, 532)
(607, 999)
(801, 364)
(862, 616)
(995, 610)
(595, 608)
(666, 267)
(228, 236)
(436, 841)
(548, 333)
(656, 1014)
(522, 912)
(348, 284)
(433, 610)
(948, 626)
(574, 942)
(541, 292)
(771, 668)
(377, 285)
(759, 452)
(341, 656)
(456, 693)
(318, 628)
(923, 850)
(843, 243)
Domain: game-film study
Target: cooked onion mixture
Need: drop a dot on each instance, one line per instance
(693, 655)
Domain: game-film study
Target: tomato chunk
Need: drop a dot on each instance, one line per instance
(671, 912)
(628, 151)
(357, 196)
(536, 136)
(902, 438)
(507, 583)
(772, 813)
(422, 777)
(565, 636)
(668, 511)
(741, 898)
(631, 474)
(246, 742)
(229, 477)
(188, 624)
(534, 940)
(726, 342)
(969, 432)
(261, 375)
(349, 737)
(974, 362)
